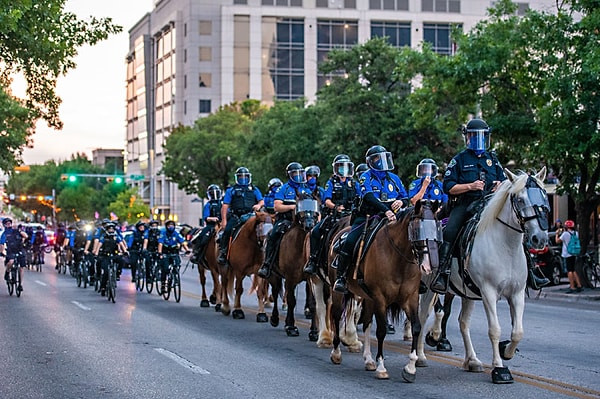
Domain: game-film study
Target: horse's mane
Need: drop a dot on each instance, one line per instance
(500, 196)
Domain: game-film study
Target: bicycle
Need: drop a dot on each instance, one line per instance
(82, 271)
(173, 281)
(38, 258)
(111, 283)
(140, 273)
(153, 275)
(61, 261)
(591, 268)
(14, 279)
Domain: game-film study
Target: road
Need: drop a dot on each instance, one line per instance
(60, 341)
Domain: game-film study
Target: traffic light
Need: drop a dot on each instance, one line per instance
(69, 178)
(115, 179)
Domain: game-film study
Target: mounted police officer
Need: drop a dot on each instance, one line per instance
(136, 246)
(426, 186)
(274, 185)
(472, 174)
(240, 199)
(381, 192)
(285, 204)
(340, 193)
(312, 181)
(211, 215)
(12, 241)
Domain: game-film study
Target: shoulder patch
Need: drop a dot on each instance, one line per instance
(412, 186)
(452, 163)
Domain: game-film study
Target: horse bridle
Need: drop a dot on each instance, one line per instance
(540, 207)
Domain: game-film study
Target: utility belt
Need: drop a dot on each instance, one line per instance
(284, 216)
(170, 250)
(240, 212)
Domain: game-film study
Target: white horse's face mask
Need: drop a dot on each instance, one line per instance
(531, 208)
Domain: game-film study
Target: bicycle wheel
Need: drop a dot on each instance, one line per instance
(177, 285)
(84, 273)
(18, 283)
(11, 284)
(140, 276)
(168, 284)
(78, 276)
(112, 285)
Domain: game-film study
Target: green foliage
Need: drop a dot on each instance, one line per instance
(39, 41)
(128, 207)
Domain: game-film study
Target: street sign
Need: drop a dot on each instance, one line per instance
(136, 177)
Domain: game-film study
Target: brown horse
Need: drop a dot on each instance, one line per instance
(208, 262)
(245, 256)
(290, 263)
(386, 278)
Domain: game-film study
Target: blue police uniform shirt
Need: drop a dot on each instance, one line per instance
(433, 192)
(287, 192)
(170, 240)
(131, 237)
(467, 167)
(206, 210)
(328, 195)
(229, 193)
(385, 186)
(71, 238)
(118, 238)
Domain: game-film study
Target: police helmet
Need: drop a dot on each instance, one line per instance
(274, 182)
(296, 172)
(153, 223)
(313, 170)
(169, 222)
(139, 224)
(213, 192)
(476, 134)
(243, 176)
(342, 166)
(360, 169)
(378, 158)
(6, 221)
(110, 228)
(427, 167)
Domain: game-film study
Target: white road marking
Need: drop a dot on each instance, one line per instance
(185, 363)
(41, 283)
(80, 305)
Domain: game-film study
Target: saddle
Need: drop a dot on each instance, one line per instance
(240, 222)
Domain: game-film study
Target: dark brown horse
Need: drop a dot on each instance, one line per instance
(208, 262)
(386, 278)
(245, 257)
(288, 271)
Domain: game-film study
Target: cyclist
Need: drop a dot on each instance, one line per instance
(38, 242)
(136, 244)
(168, 247)
(108, 246)
(12, 240)
(60, 242)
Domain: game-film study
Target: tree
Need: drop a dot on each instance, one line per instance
(39, 41)
(211, 150)
(128, 207)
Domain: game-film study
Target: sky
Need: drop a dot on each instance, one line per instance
(93, 94)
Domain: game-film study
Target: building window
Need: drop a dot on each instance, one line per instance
(440, 6)
(185, 81)
(334, 34)
(204, 106)
(400, 5)
(439, 37)
(396, 33)
(185, 107)
(205, 28)
(322, 3)
(283, 50)
(205, 80)
(283, 3)
(243, 2)
(205, 53)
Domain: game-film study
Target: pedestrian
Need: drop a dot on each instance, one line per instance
(570, 259)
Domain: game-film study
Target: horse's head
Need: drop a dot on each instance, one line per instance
(264, 225)
(425, 233)
(307, 212)
(530, 204)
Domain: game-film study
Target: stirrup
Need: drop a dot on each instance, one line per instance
(440, 284)
(340, 285)
(264, 272)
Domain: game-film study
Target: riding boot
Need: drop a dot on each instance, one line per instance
(440, 284)
(265, 269)
(312, 265)
(343, 259)
(533, 280)
(222, 259)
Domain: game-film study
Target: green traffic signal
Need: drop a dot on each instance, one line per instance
(72, 178)
(118, 180)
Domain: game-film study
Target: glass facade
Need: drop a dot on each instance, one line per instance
(165, 66)
(439, 37)
(241, 57)
(283, 58)
(397, 33)
(399, 5)
(334, 34)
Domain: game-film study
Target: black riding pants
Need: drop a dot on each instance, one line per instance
(458, 217)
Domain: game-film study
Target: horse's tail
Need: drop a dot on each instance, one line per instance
(394, 311)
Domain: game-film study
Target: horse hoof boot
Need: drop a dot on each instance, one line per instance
(261, 318)
(308, 314)
(408, 377)
(274, 321)
(238, 314)
(204, 303)
(502, 347)
(421, 363)
(292, 331)
(430, 341)
(502, 375)
(218, 307)
(313, 336)
(213, 299)
(444, 345)
(390, 329)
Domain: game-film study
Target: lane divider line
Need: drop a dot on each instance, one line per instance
(79, 305)
(182, 362)
(40, 283)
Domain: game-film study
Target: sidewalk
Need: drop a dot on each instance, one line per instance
(559, 292)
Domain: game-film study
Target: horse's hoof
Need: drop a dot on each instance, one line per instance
(407, 338)
(391, 329)
(370, 366)
(502, 375)
(408, 377)
(313, 336)
(383, 375)
(225, 312)
(204, 303)
(475, 368)
(421, 363)
(308, 314)
(502, 347)
(292, 331)
(238, 314)
(213, 299)
(218, 307)
(261, 318)
(274, 321)
(284, 307)
(336, 356)
(429, 340)
(444, 345)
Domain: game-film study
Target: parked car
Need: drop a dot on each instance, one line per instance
(549, 262)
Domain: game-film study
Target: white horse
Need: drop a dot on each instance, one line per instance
(517, 211)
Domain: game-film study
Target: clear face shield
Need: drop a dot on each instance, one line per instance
(381, 161)
(478, 140)
(214, 194)
(424, 230)
(243, 178)
(427, 169)
(538, 206)
(297, 176)
(343, 169)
